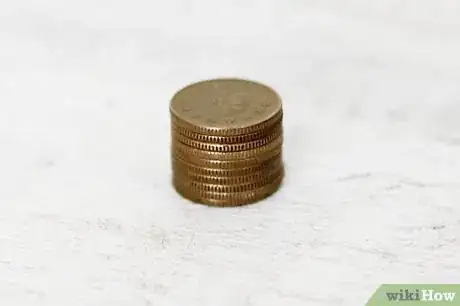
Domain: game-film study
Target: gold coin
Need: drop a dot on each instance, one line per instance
(253, 161)
(184, 150)
(234, 147)
(225, 107)
(194, 185)
(253, 177)
(225, 171)
(177, 128)
(229, 199)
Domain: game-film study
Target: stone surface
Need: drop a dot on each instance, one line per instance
(87, 212)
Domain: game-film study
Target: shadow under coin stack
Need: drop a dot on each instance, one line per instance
(227, 139)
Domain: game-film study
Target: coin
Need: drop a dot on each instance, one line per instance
(229, 199)
(252, 161)
(218, 171)
(231, 147)
(225, 107)
(194, 185)
(177, 128)
(253, 177)
(185, 150)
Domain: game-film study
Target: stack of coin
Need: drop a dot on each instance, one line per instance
(227, 139)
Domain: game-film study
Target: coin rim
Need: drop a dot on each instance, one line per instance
(256, 177)
(234, 188)
(228, 164)
(224, 139)
(231, 199)
(226, 172)
(229, 131)
(226, 156)
(231, 147)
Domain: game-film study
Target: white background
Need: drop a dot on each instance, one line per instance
(372, 150)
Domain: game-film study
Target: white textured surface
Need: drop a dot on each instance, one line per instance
(372, 126)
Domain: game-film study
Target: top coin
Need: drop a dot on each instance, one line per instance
(226, 106)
